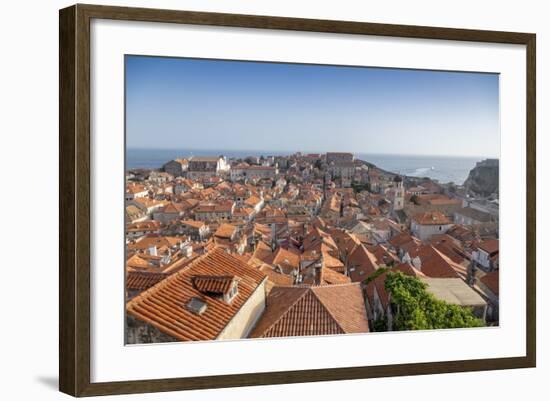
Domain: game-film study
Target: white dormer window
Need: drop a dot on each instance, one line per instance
(232, 293)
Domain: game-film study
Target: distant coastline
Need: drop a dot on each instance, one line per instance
(442, 168)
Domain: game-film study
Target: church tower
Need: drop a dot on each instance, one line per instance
(399, 194)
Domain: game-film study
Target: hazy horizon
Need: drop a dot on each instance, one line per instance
(196, 104)
(276, 152)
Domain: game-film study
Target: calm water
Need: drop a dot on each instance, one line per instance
(444, 169)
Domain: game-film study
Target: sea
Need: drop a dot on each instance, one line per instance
(445, 169)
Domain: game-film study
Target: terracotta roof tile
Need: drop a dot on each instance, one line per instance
(225, 231)
(135, 188)
(361, 264)
(285, 259)
(489, 245)
(331, 262)
(275, 278)
(431, 218)
(214, 284)
(174, 208)
(435, 264)
(193, 223)
(140, 262)
(252, 201)
(309, 311)
(330, 276)
(382, 255)
(143, 226)
(402, 239)
(263, 252)
(164, 305)
(491, 281)
(140, 281)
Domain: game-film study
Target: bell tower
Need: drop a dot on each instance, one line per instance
(399, 194)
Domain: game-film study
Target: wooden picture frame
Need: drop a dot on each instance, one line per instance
(74, 203)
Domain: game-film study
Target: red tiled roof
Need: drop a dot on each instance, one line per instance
(285, 259)
(434, 264)
(382, 255)
(164, 305)
(489, 245)
(173, 208)
(148, 242)
(139, 280)
(316, 237)
(135, 188)
(133, 212)
(275, 278)
(345, 241)
(263, 252)
(218, 207)
(309, 311)
(143, 226)
(225, 231)
(491, 281)
(329, 276)
(213, 284)
(449, 247)
(408, 269)
(431, 218)
(401, 239)
(252, 201)
(140, 262)
(179, 264)
(193, 223)
(378, 284)
(332, 263)
(362, 264)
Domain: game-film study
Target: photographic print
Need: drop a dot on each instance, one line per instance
(271, 199)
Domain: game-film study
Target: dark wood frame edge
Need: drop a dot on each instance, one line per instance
(74, 199)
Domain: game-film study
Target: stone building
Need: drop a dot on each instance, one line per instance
(339, 157)
(206, 166)
(243, 172)
(424, 225)
(176, 167)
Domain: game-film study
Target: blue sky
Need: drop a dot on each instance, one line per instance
(216, 104)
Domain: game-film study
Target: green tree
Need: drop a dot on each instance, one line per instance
(378, 272)
(416, 309)
(380, 325)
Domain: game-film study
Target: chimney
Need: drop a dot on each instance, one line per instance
(152, 250)
(417, 263)
(471, 273)
(273, 236)
(253, 241)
